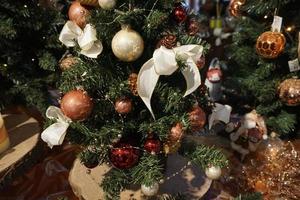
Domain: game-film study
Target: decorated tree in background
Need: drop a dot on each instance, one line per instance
(259, 58)
(29, 51)
(131, 82)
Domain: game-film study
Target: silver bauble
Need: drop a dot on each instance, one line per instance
(127, 44)
(151, 190)
(107, 4)
(213, 172)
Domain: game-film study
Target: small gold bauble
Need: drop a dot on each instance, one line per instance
(68, 62)
(289, 92)
(107, 4)
(235, 6)
(270, 44)
(127, 44)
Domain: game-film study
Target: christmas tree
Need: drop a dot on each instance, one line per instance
(130, 81)
(29, 51)
(264, 60)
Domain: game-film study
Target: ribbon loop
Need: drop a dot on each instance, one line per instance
(86, 39)
(164, 63)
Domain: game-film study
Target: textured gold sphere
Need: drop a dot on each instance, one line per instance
(289, 92)
(270, 44)
(127, 45)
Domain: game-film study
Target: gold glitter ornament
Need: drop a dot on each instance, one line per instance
(289, 92)
(127, 44)
(132, 82)
(270, 44)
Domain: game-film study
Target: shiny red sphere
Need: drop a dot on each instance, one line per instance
(179, 14)
(152, 145)
(124, 156)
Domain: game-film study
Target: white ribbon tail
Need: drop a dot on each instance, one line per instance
(55, 134)
(94, 51)
(192, 77)
(69, 34)
(146, 83)
(54, 112)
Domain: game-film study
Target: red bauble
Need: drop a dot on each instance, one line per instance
(124, 156)
(78, 14)
(176, 132)
(179, 14)
(152, 145)
(123, 105)
(197, 118)
(77, 105)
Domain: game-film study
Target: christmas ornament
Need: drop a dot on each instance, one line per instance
(77, 105)
(132, 82)
(127, 44)
(152, 145)
(213, 80)
(270, 44)
(176, 132)
(193, 27)
(201, 62)
(179, 14)
(107, 4)
(235, 6)
(197, 118)
(86, 39)
(164, 63)
(123, 105)
(289, 92)
(67, 62)
(78, 14)
(93, 3)
(169, 41)
(151, 190)
(124, 156)
(249, 135)
(213, 172)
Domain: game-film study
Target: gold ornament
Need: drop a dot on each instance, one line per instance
(68, 62)
(289, 92)
(107, 4)
(93, 3)
(127, 44)
(270, 44)
(235, 6)
(132, 81)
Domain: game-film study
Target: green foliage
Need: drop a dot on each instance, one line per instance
(251, 196)
(173, 197)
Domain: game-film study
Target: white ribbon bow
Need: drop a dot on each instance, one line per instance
(55, 133)
(164, 63)
(219, 113)
(86, 38)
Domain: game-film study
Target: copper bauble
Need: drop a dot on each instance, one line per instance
(93, 3)
(197, 118)
(176, 132)
(123, 105)
(127, 44)
(68, 62)
(193, 27)
(179, 14)
(270, 44)
(152, 145)
(235, 6)
(77, 105)
(169, 41)
(124, 156)
(78, 14)
(289, 92)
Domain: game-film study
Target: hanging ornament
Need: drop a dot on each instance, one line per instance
(197, 118)
(124, 155)
(270, 44)
(67, 62)
(132, 82)
(169, 41)
(78, 14)
(193, 27)
(179, 14)
(213, 172)
(127, 44)
(176, 132)
(77, 105)
(107, 4)
(93, 3)
(213, 80)
(152, 145)
(201, 62)
(289, 92)
(151, 190)
(234, 7)
(123, 105)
